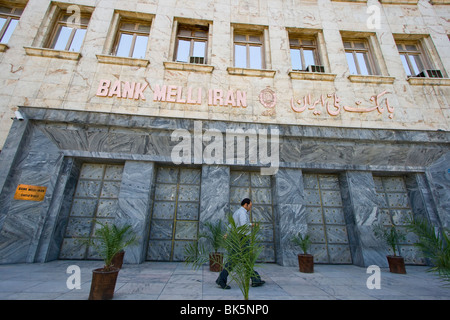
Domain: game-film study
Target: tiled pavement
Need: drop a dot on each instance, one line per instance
(176, 281)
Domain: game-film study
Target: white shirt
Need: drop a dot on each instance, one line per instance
(241, 217)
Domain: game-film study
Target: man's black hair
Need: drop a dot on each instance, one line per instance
(246, 201)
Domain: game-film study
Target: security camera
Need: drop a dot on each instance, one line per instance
(19, 116)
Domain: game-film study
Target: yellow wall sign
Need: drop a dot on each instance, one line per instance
(32, 193)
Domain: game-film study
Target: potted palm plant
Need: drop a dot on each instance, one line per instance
(305, 260)
(392, 236)
(214, 237)
(111, 239)
(242, 249)
(434, 245)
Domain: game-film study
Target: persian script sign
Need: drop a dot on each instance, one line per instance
(31, 193)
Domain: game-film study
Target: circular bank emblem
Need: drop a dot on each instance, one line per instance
(268, 99)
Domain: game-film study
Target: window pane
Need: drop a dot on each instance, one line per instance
(77, 40)
(62, 38)
(240, 56)
(199, 49)
(255, 57)
(405, 65)
(416, 64)
(296, 60)
(140, 47)
(128, 27)
(12, 25)
(5, 9)
(239, 37)
(185, 32)
(201, 34)
(351, 63)
(363, 63)
(255, 39)
(123, 49)
(2, 22)
(183, 50)
(309, 57)
(144, 28)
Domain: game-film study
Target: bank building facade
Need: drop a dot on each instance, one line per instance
(332, 116)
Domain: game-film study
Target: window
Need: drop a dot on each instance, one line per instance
(69, 35)
(192, 44)
(412, 57)
(303, 53)
(9, 18)
(359, 57)
(248, 50)
(132, 39)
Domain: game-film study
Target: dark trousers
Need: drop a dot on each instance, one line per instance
(223, 276)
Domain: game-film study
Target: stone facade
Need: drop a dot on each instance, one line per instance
(98, 129)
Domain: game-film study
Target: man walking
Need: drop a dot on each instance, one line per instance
(240, 217)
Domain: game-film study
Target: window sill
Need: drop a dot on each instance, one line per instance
(440, 2)
(399, 1)
(419, 81)
(182, 66)
(371, 79)
(51, 53)
(304, 75)
(122, 61)
(3, 47)
(251, 72)
(360, 1)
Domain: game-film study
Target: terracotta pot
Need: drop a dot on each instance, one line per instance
(215, 262)
(396, 264)
(117, 260)
(306, 263)
(103, 284)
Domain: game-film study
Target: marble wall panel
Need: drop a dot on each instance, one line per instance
(161, 230)
(39, 149)
(72, 249)
(135, 203)
(59, 213)
(290, 214)
(163, 210)
(438, 177)
(258, 188)
(187, 211)
(326, 223)
(175, 212)
(215, 194)
(360, 204)
(159, 250)
(185, 230)
(83, 207)
(178, 250)
(400, 212)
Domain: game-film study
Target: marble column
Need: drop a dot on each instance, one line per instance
(59, 210)
(361, 210)
(438, 175)
(135, 202)
(420, 196)
(36, 162)
(290, 214)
